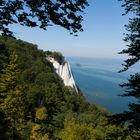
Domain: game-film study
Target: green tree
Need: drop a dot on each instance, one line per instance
(38, 131)
(42, 13)
(132, 37)
(11, 99)
(73, 131)
(57, 56)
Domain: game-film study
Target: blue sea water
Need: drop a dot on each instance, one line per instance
(99, 80)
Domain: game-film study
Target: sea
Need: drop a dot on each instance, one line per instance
(99, 80)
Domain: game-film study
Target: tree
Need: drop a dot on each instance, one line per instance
(42, 13)
(11, 99)
(133, 35)
(73, 131)
(38, 131)
(132, 116)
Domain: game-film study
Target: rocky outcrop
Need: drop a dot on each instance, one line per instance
(64, 71)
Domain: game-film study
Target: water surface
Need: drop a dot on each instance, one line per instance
(99, 80)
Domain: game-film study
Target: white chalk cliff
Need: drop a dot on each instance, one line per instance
(64, 71)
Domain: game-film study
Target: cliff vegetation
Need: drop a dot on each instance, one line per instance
(35, 104)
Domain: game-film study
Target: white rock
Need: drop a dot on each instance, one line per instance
(64, 71)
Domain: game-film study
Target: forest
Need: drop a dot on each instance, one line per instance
(35, 104)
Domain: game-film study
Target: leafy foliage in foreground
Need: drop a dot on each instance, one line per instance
(132, 37)
(40, 106)
(131, 117)
(42, 13)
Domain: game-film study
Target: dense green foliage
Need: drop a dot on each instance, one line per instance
(56, 55)
(12, 103)
(132, 88)
(42, 13)
(35, 104)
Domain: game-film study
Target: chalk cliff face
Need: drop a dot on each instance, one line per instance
(64, 71)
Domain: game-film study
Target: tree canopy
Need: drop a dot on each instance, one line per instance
(132, 88)
(36, 104)
(132, 37)
(42, 13)
(12, 102)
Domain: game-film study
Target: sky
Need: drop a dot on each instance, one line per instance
(102, 36)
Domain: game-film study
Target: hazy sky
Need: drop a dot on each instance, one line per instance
(102, 36)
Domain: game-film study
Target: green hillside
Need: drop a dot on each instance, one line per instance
(35, 104)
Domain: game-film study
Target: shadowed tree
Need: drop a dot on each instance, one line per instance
(42, 13)
(132, 37)
(12, 103)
